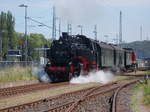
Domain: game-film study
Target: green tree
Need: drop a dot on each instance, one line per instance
(36, 41)
(3, 32)
(10, 29)
(7, 32)
(15, 40)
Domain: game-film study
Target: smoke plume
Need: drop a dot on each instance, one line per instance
(41, 74)
(98, 76)
(78, 11)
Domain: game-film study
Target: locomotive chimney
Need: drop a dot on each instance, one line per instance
(64, 34)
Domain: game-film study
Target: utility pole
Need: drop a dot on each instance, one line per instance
(54, 25)
(120, 28)
(81, 28)
(1, 45)
(59, 27)
(117, 39)
(26, 38)
(42, 24)
(95, 32)
(69, 28)
(141, 32)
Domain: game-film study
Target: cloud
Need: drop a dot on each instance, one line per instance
(78, 10)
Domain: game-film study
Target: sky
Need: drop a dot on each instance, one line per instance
(103, 13)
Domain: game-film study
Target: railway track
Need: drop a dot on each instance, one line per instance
(81, 100)
(12, 91)
(103, 96)
(119, 103)
(55, 103)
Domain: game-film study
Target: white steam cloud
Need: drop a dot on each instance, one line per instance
(99, 76)
(41, 74)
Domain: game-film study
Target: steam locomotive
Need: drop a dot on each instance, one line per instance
(72, 54)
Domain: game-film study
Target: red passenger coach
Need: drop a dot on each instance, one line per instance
(133, 58)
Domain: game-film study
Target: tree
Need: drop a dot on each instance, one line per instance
(3, 32)
(14, 40)
(36, 41)
(9, 39)
(10, 28)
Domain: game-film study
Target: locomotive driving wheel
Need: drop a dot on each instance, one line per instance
(76, 73)
(53, 77)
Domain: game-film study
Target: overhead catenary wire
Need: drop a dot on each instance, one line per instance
(41, 23)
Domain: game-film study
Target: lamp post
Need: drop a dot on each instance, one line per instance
(59, 30)
(81, 27)
(26, 39)
(1, 46)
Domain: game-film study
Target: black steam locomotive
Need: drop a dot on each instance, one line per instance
(70, 55)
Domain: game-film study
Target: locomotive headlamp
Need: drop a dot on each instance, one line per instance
(49, 63)
(60, 42)
(70, 63)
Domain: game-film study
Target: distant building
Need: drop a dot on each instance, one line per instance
(144, 64)
(13, 55)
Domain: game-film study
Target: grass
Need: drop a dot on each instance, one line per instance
(135, 102)
(146, 89)
(14, 74)
(147, 72)
(141, 97)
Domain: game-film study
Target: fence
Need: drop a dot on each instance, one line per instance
(7, 64)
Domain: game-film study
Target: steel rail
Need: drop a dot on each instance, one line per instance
(50, 99)
(12, 91)
(114, 106)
